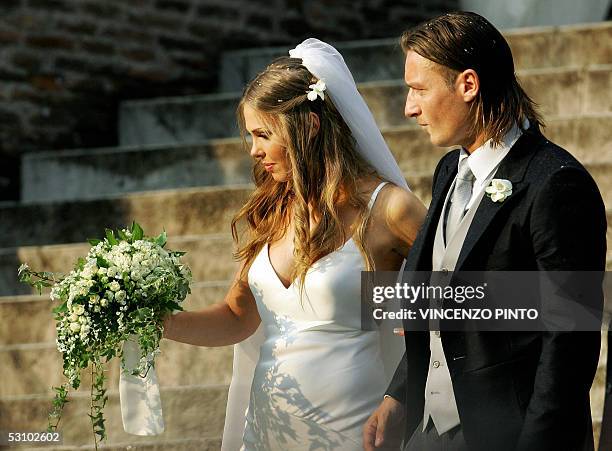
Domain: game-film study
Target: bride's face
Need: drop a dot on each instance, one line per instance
(267, 148)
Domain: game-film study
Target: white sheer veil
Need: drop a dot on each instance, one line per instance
(325, 63)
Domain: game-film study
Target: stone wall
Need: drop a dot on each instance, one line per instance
(66, 64)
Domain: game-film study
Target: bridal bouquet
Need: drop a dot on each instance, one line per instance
(121, 290)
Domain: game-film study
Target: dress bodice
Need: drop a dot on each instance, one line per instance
(331, 289)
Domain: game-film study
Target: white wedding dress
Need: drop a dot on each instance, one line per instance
(310, 376)
(319, 376)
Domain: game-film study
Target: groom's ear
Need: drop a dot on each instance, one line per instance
(315, 124)
(468, 84)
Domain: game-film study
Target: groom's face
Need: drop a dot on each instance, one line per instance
(436, 103)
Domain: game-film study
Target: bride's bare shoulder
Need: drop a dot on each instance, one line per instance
(401, 212)
(398, 201)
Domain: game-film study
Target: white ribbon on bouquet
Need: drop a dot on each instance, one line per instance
(141, 407)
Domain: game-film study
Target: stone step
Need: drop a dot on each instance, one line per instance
(14, 310)
(59, 176)
(191, 444)
(18, 314)
(186, 365)
(596, 432)
(195, 411)
(383, 59)
(601, 174)
(598, 388)
(36, 367)
(190, 211)
(26, 370)
(560, 91)
(181, 444)
(208, 256)
(94, 173)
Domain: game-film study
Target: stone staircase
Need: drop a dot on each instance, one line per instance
(180, 166)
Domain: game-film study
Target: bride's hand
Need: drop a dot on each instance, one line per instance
(378, 430)
(167, 326)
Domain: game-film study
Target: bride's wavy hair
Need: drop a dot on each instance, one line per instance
(323, 164)
(463, 40)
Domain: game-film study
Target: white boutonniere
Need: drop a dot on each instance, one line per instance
(317, 91)
(499, 189)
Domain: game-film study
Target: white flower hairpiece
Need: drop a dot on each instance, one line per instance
(317, 91)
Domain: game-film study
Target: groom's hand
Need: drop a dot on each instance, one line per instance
(378, 430)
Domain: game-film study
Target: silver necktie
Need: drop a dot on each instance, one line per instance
(460, 198)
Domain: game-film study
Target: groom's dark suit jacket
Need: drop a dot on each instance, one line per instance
(517, 390)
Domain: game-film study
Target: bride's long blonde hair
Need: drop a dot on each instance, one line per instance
(323, 164)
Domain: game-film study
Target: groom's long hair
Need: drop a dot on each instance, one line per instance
(463, 40)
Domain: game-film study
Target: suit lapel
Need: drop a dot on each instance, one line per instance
(423, 247)
(512, 168)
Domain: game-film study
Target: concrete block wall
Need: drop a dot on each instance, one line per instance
(65, 64)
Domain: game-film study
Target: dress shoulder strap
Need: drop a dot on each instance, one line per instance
(375, 194)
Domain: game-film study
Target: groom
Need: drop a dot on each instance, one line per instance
(492, 390)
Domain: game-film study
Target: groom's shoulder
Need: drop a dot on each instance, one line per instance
(552, 169)
(550, 158)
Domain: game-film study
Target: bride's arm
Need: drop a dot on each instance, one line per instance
(222, 324)
(404, 215)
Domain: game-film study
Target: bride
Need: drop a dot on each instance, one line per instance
(329, 202)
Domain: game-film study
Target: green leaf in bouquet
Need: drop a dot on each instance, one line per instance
(84, 362)
(173, 305)
(93, 241)
(110, 354)
(102, 263)
(137, 232)
(80, 263)
(178, 253)
(98, 422)
(110, 236)
(122, 235)
(23, 270)
(100, 396)
(61, 308)
(39, 285)
(45, 275)
(143, 313)
(161, 239)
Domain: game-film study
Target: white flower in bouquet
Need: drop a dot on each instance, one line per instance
(123, 287)
(114, 286)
